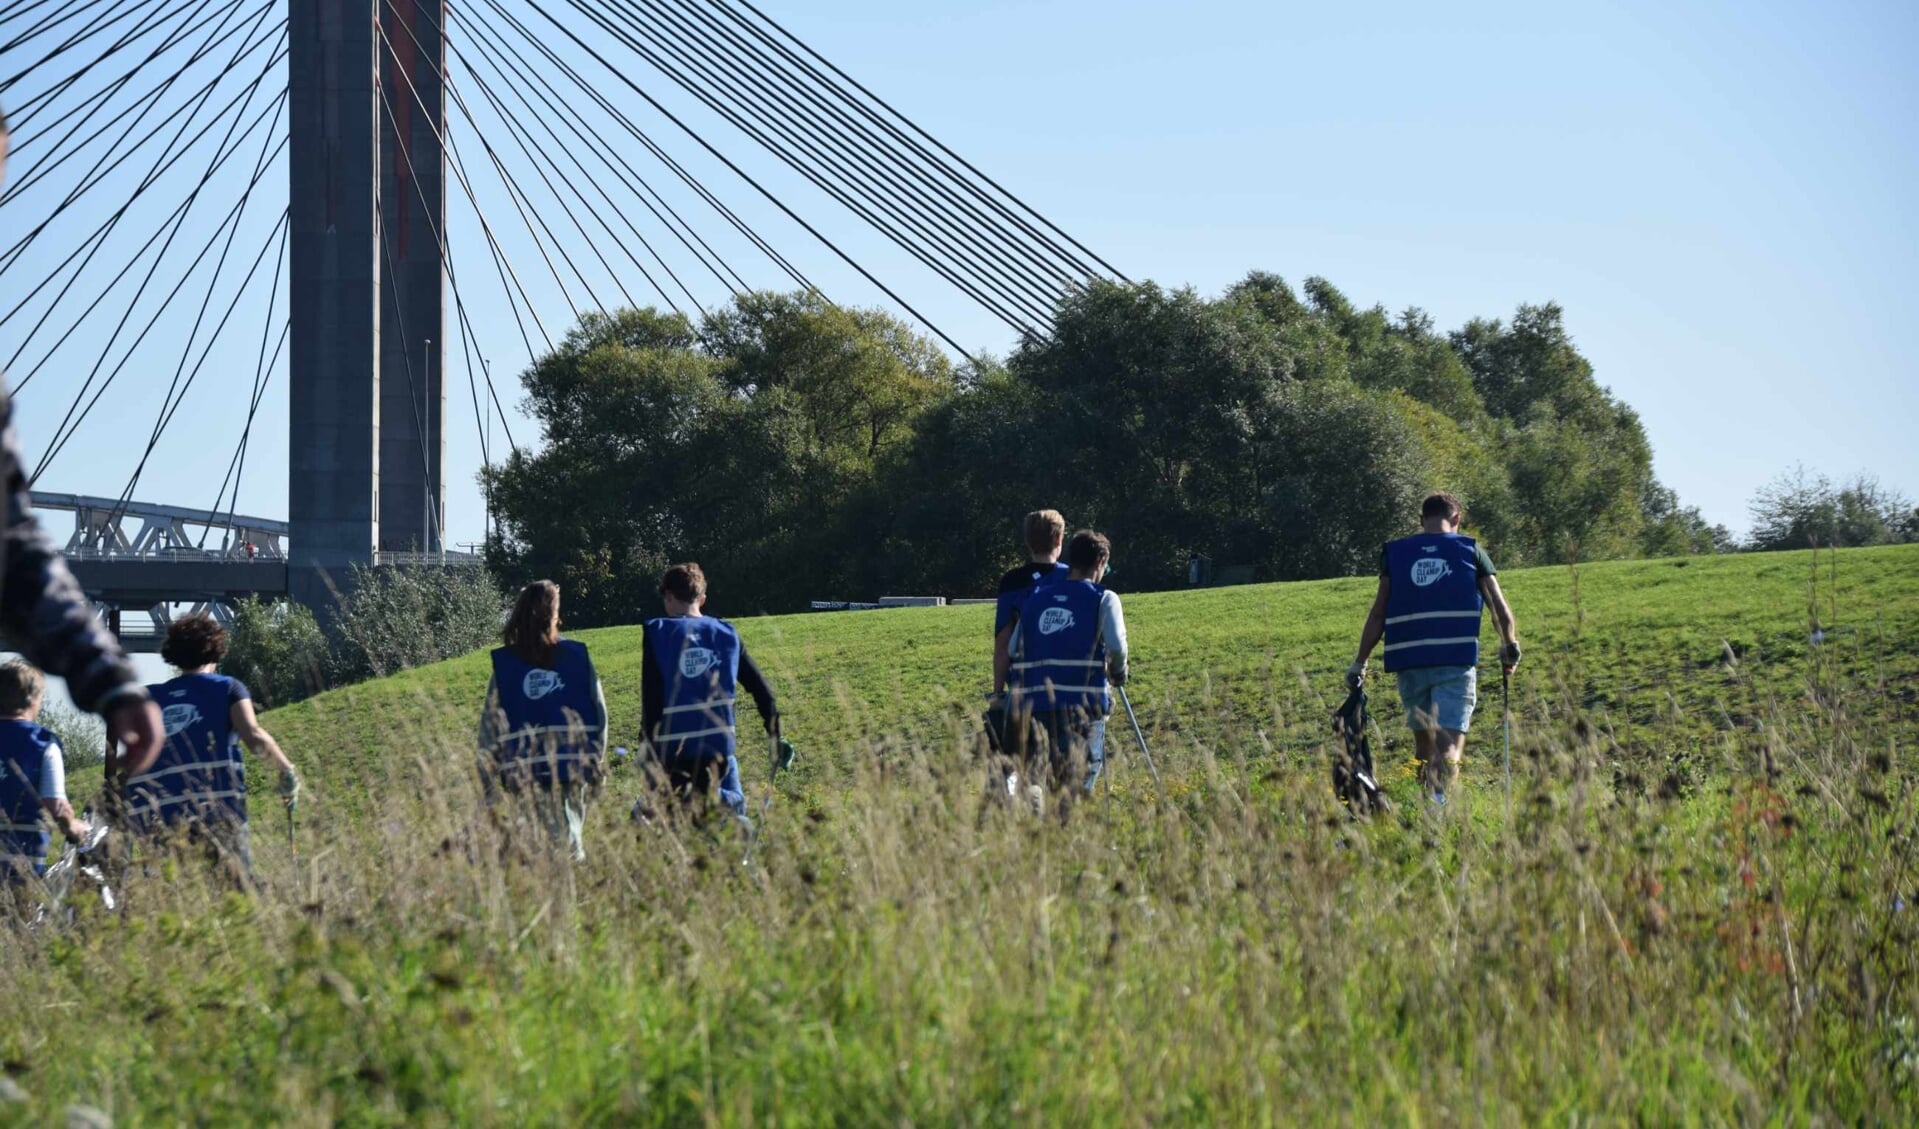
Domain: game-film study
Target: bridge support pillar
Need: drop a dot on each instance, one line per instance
(366, 459)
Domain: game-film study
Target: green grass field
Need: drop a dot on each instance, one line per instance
(1693, 910)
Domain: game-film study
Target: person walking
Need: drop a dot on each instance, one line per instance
(693, 667)
(1067, 650)
(46, 616)
(1045, 532)
(543, 731)
(195, 792)
(33, 780)
(1433, 588)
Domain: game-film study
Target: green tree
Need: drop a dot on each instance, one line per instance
(279, 650)
(1798, 510)
(397, 617)
(83, 736)
(1575, 456)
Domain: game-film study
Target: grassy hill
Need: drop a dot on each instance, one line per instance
(1641, 648)
(1697, 908)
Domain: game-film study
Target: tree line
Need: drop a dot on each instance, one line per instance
(802, 450)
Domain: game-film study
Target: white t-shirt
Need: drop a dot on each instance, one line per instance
(53, 774)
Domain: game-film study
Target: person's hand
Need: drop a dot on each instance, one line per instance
(785, 758)
(1509, 656)
(1356, 675)
(136, 726)
(77, 831)
(289, 788)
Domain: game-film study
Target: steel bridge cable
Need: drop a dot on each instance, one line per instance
(741, 173)
(853, 172)
(101, 23)
(104, 97)
(659, 154)
(514, 195)
(54, 19)
(500, 110)
(220, 157)
(20, 11)
(1062, 261)
(446, 251)
(990, 251)
(213, 278)
(170, 156)
(237, 466)
(96, 241)
(71, 425)
(261, 374)
(533, 114)
(52, 93)
(501, 265)
(914, 126)
(172, 407)
(903, 240)
(90, 246)
(591, 90)
(989, 237)
(494, 59)
(549, 96)
(98, 174)
(102, 19)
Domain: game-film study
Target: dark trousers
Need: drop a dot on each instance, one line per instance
(1067, 746)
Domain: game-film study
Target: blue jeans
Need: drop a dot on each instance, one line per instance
(1076, 739)
(692, 774)
(1439, 697)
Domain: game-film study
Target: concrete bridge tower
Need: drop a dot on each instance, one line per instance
(366, 110)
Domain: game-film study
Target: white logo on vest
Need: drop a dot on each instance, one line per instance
(1052, 621)
(539, 683)
(178, 718)
(695, 661)
(1429, 570)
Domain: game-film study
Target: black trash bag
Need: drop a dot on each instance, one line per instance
(1353, 781)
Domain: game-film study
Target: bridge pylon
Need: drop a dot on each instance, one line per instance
(366, 113)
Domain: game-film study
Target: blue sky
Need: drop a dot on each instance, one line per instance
(1718, 194)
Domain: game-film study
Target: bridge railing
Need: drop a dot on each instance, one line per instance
(162, 533)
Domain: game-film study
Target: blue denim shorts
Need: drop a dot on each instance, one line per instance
(1439, 697)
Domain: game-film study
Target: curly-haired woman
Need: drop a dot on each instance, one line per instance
(197, 786)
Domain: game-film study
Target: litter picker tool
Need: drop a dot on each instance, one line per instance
(1506, 725)
(1139, 736)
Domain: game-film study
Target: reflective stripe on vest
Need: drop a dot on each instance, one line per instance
(554, 723)
(199, 772)
(698, 658)
(1062, 664)
(23, 751)
(1433, 603)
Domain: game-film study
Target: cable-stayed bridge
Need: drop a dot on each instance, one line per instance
(246, 233)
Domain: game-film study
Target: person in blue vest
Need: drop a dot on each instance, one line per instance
(544, 727)
(33, 779)
(1433, 588)
(1045, 532)
(693, 667)
(1068, 650)
(195, 792)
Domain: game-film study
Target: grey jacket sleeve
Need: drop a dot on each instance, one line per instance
(43, 612)
(1112, 630)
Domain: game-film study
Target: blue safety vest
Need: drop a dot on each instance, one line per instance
(699, 661)
(1432, 601)
(1011, 601)
(1062, 660)
(554, 722)
(199, 773)
(23, 749)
